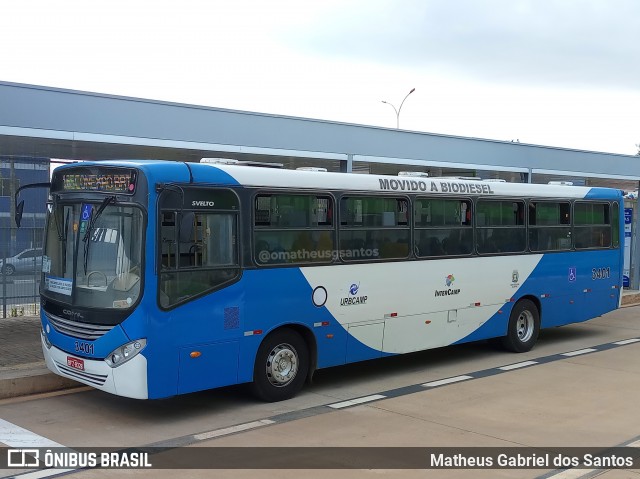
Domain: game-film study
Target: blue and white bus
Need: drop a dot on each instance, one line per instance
(162, 278)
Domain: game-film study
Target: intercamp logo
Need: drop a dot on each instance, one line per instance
(449, 291)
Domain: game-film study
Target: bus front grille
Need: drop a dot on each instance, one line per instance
(77, 329)
(93, 379)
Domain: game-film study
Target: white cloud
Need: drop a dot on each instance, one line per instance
(562, 73)
(525, 41)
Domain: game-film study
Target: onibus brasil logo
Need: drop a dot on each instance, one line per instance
(449, 291)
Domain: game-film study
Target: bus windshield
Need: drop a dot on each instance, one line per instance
(93, 254)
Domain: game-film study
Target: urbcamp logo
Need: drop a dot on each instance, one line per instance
(450, 291)
(353, 299)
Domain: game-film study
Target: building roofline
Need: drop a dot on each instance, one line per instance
(288, 117)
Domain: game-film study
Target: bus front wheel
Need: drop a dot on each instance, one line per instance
(524, 326)
(281, 366)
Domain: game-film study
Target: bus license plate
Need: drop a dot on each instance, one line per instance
(75, 363)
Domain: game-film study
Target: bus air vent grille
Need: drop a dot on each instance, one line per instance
(85, 377)
(77, 329)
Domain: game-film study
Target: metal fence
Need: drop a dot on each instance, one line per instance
(20, 273)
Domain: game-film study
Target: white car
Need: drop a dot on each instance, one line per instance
(29, 261)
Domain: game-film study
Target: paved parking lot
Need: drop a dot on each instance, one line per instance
(578, 388)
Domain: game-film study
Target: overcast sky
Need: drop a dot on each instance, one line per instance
(552, 72)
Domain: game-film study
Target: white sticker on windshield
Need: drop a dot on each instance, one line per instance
(58, 285)
(46, 264)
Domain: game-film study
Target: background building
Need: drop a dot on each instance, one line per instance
(38, 123)
(16, 171)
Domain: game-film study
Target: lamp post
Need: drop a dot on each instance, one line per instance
(399, 109)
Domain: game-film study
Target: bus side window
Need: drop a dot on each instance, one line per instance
(263, 210)
(549, 225)
(443, 227)
(206, 256)
(168, 241)
(502, 229)
(293, 229)
(198, 249)
(374, 228)
(592, 224)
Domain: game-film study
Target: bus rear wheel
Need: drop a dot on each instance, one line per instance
(281, 366)
(524, 326)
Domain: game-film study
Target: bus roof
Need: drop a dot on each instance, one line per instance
(296, 179)
(251, 176)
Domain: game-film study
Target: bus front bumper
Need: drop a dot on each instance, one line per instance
(129, 379)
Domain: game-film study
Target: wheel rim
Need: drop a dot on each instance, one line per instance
(9, 270)
(282, 365)
(525, 325)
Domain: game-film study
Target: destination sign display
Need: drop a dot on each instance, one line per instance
(108, 181)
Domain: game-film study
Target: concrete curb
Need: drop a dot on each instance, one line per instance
(630, 299)
(32, 379)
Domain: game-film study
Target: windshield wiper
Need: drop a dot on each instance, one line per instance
(62, 233)
(94, 218)
(92, 222)
(58, 230)
(63, 240)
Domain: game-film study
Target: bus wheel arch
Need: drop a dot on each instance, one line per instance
(283, 363)
(312, 348)
(524, 325)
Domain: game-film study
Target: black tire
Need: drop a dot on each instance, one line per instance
(524, 327)
(8, 270)
(281, 367)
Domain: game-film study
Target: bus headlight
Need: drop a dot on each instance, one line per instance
(47, 343)
(124, 353)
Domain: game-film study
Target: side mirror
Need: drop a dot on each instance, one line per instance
(20, 206)
(18, 216)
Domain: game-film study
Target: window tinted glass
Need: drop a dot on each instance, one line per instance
(293, 229)
(293, 211)
(591, 213)
(443, 227)
(592, 225)
(442, 212)
(444, 242)
(549, 213)
(500, 227)
(549, 225)
(374, 228)
(500, 213)
(198, 248)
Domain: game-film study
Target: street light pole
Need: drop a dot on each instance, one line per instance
(399, 109)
